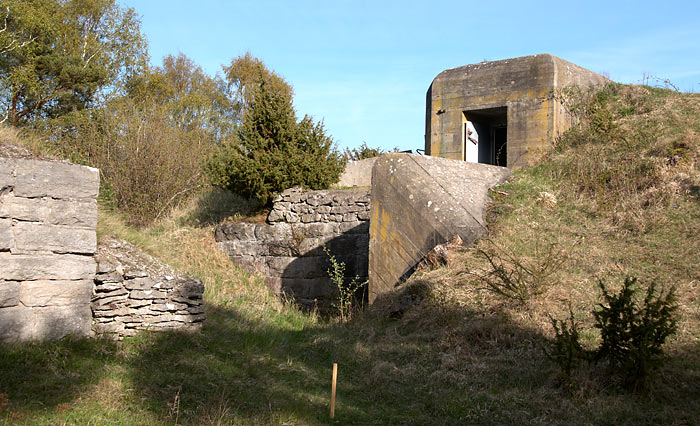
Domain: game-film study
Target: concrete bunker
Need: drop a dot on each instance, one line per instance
(511, 103)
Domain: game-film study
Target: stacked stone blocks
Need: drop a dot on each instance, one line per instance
(134, 291)
(288, 249)
(48, 216)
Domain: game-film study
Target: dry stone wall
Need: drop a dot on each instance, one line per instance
(134, 291)
(48, 216)
(288, 249)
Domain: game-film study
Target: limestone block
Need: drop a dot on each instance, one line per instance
(98, 303)
(9, 293)
(55, 293)
(190, 288)
(109, 277)
(16, 324)
(310, 217)
(7, 177)
(36, 178)
(147, 294)
(77, 213)
(273, 216)
(276, 232)
(110, 312)
(103, 292)
(108, 328)
(104, 288)
(36, 237)
(54, 322)
(235, 231)
(145, 283)
(46, 267)
(244, 248)
(7, 239)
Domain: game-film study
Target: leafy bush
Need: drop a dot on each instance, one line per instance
(632, 335)
(271, 150)
(147, 165)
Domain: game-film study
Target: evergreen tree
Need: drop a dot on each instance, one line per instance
(272, 151)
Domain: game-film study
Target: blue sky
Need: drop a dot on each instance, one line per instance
(364, 66)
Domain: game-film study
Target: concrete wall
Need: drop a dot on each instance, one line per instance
(357, 173)
(287, 250)
(418, 202)
(134, 291)
(48, 215)
(523, 85)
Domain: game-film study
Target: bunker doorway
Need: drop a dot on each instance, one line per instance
(491, 125)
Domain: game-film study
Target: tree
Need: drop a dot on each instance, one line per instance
(195, 101)
(57, 56)
(271, 151)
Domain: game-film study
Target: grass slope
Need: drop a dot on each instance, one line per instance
(618, 196)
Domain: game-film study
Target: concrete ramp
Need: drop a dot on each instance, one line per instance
(418, 202)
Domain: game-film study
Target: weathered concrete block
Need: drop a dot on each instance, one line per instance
(55, 293)
(9, 293)
(511, 97)
(54, 322)
(59, 239)
(419, 202)
(358, 173)
(76, 213)
(7, 239)
(36, 178)
(46, 267)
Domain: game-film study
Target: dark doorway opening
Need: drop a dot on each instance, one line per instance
(492, 126)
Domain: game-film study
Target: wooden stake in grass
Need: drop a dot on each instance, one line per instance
(335, 379)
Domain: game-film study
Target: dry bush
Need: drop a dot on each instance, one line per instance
(148, 165)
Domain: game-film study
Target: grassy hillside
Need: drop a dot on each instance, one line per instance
(619, 195)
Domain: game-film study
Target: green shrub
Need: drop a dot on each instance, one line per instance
(147, 165)
(633, 334)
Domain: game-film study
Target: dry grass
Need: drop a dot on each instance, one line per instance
(186, 242)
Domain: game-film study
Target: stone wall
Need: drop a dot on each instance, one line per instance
(48, 216)
(134, 291)
(288, 249)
